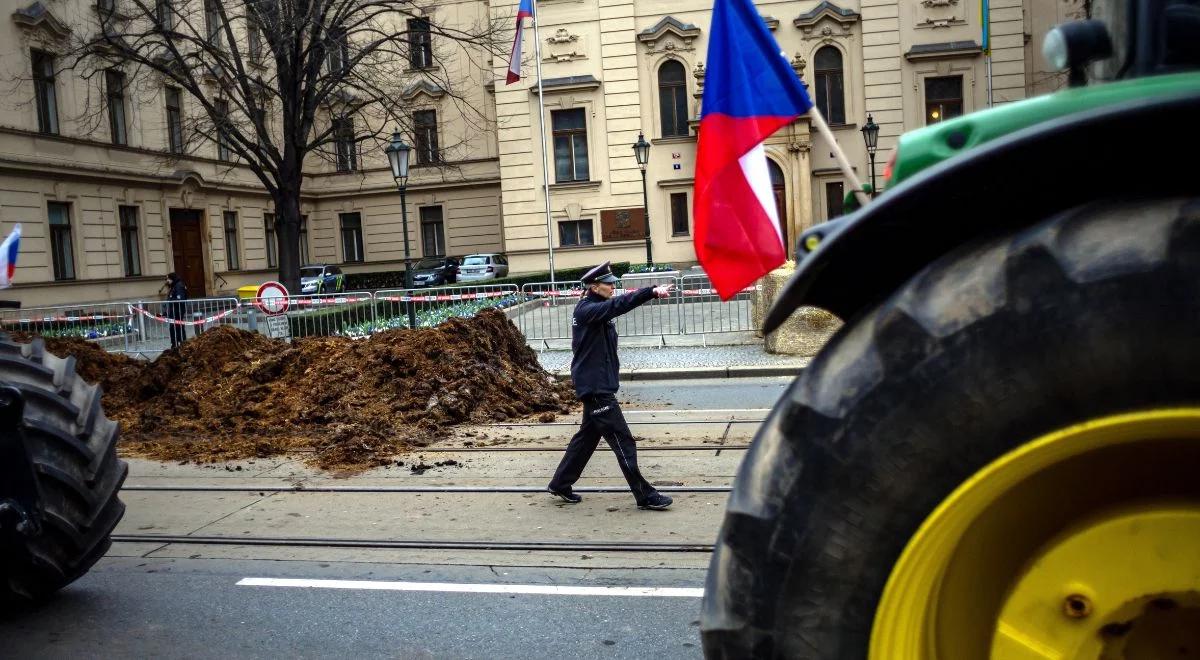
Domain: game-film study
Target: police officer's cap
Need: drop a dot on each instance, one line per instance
(601, 273)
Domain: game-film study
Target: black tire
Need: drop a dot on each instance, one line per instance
(1088, 314)
(74, 451)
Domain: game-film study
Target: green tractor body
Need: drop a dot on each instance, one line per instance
(925, 147)
(995, 456)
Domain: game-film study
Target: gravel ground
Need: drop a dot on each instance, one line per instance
(684, 356)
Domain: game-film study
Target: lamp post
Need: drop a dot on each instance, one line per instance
(870, 131)
(641, 151)
(398, 154)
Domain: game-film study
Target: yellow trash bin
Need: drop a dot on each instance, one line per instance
(247, 292)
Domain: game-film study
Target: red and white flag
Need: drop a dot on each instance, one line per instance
(514, 60)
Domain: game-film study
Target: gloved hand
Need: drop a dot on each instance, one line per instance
(663, 291)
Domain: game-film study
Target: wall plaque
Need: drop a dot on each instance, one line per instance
(623, 225)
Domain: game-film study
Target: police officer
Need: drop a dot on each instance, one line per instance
(594, 370)
(176, 308)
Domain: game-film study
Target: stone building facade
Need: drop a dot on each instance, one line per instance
(107, 209)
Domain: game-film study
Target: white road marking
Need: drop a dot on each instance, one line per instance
(449, 587)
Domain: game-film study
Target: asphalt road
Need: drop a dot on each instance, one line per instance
(195, 609)
(183, 600)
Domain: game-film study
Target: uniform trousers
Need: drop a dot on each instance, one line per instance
(602, 418)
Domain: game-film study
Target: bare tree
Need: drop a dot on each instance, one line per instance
(280, 85)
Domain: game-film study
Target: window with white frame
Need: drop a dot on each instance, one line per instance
(346, 147)
(45, 93)
(130, 248)
(304, 258)
(943, 98)
(224, 151)
(114, 84)
(212, 22)
(679, 214)
(232, 261)
(420, 43)
(672, 99)
(574, 233)
(272, 241)
(352, 237)
(426, 138)
(433, 231)
(174, 105)
(570, 145)
(830, 84)
(62, 250)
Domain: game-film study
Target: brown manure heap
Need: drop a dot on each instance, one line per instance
(354, 403)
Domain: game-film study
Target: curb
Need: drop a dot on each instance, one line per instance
(687, 373)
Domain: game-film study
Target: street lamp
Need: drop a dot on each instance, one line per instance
(870, 132)
(398, 154)
(641, 151)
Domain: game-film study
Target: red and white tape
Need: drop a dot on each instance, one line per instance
(327, 301)
(164, 319)
(576, 293)
(70, 319)
(449, 296)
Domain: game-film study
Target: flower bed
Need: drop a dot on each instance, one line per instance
(428, 318)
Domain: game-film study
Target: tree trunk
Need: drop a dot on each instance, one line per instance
(287, 232)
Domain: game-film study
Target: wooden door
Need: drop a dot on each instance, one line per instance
(779, 189)
(188, 249)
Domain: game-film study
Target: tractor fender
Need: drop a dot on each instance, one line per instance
(1138, 149)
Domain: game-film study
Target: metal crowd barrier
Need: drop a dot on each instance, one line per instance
(152, 321)
(694, 309)
(542, 311)
(325, 315)
(703, 312)
(105, 323)
(433, 305)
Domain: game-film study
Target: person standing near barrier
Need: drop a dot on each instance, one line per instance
(595, 372)
(176, 308)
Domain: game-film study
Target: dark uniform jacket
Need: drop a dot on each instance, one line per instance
(594, 365)
(177, 294)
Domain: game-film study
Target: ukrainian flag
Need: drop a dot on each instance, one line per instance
(987, 28)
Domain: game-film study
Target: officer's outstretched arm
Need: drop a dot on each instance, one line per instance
(590, 311)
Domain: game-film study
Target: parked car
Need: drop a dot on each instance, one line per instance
(435, 271)
(321, 278)
(487, 266)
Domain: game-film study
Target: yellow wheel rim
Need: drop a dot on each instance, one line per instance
(1084, 543)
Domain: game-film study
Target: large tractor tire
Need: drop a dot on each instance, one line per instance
(1000, 460)
(74, 451)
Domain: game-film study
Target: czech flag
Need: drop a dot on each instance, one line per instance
(8, 256)
(750, 91)
(514, 60)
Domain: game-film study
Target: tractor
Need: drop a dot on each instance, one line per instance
(59, 473)
(998, 454)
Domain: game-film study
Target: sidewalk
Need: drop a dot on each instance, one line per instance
(641, 363)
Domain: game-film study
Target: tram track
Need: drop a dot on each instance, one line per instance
(417, 544)
(300, 488)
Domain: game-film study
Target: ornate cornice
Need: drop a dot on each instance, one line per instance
(425, 87)
(38, 17)
(843, 19)
(669, 34)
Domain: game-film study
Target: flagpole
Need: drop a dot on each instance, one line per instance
(847, 169)
(537, 54)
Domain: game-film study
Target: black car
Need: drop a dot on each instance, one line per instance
(435, 271)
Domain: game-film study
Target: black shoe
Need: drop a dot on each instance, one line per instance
(656, 502)
(567, 495)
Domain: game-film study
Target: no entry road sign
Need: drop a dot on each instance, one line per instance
(272, 298)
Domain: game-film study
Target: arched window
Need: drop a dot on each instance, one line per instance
(831, 96)
(672, 99)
